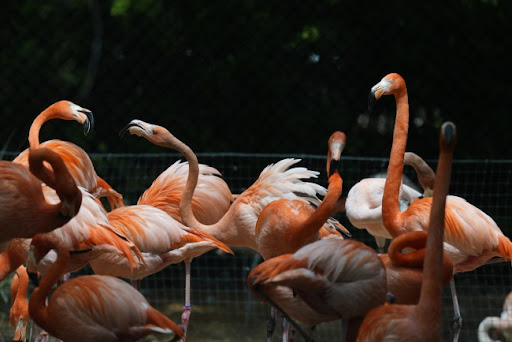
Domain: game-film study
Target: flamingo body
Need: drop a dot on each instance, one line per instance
(211, 199)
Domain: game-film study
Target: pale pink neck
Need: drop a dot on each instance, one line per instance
(390, 200)
(225, 229)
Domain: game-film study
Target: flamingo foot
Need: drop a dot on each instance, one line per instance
(185, 317)
(457, 326)
(44, 336)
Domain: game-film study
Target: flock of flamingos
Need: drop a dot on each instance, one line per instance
(54, 223)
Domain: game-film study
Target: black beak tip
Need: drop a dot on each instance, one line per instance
(89, 122)
(449, 132)
(334, 166)
(371, 101)
(33, 278)
(124, 130)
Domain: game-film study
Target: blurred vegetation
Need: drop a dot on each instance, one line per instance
(258, 76)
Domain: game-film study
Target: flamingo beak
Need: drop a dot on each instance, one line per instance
(335, 157)
(89, 122)
(136, 127)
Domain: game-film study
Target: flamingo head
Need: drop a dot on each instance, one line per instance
(155, 134)
(390, 84)
(336, 144)
(67, 110)
(448, 134)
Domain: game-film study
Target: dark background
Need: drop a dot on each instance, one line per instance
(259, 76)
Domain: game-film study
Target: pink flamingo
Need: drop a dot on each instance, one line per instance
(91, 308)
(421, 322)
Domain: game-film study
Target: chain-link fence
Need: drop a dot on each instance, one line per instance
(223, 308)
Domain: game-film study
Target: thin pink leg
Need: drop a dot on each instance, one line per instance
(185, 316)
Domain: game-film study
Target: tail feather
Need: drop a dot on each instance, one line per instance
(104, 234)
(201, 236)
(159, 320)
(505, 247)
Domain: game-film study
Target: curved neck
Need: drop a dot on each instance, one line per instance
(37, 303)
(328, 205)
(21, 291)
(416, 240)
(222, 230)
(60, 179)
(391, 199)
(35, 128)
(432, 287)
(424, 172)
(492, 322)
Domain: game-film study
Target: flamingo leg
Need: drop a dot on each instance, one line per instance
(271, 325)
(344, 329)
(457, 324)
(136, 284)
(185, 316)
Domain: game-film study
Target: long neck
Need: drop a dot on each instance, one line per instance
(424, 172)
(35, 128)
(431, 289)
(225, 229)
(391, 200)
(21, 291)
(416, 240)
(60, 179)
(314, 222)
(37, 304)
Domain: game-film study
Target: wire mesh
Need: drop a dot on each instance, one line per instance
(223, 308)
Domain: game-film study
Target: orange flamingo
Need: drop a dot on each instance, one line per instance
(421, 322)
(236, 227)
(211, 200)
(501, 325)
(472, 237)
(284, 225)
(91, 308)
(334, 278)
(76, 159)
(24, 211)
(89, 230)
(18, 314)
(162, 241)
(404, 271)
(363, 205)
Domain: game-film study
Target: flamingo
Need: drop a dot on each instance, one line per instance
(404, 271)
(211, 200)
(472, 237)
(91, 308)
(237, 227)
(334, 279)
(363, 205)
(285, 225)
(421, 322)
(162, 241)
(90, 230)
(502, 324)
(76, 159)
(24, 211)
(18, 314)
